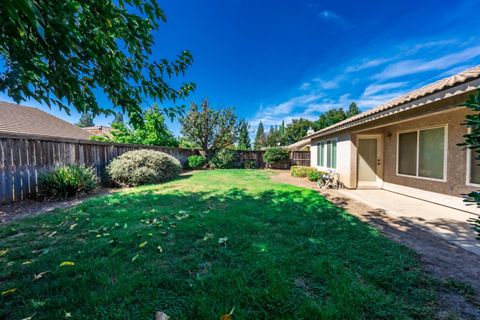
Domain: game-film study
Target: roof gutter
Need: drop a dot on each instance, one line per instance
(447, 93)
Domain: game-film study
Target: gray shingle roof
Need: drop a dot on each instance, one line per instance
(17, 119)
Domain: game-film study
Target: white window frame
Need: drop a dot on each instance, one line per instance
(325, 153)
(469, 167)
(445, 153)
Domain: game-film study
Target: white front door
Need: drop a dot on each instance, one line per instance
(370, 161)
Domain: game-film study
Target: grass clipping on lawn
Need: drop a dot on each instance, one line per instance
(196, 246)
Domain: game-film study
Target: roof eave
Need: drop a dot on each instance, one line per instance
(440, 95)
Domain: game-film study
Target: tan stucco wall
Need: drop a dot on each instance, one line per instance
(455, 183)
(345, 150)
(441, 112)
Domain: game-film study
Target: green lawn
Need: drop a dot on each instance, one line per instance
(290, 254)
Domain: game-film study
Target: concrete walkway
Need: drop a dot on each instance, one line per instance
(447, 223)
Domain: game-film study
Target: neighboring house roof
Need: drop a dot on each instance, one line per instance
(438, 86)
(299, 145)
(18, 119)
(96, 130)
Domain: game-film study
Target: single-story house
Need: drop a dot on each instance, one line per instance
(20, 120)
(408, 145)
(99, 130)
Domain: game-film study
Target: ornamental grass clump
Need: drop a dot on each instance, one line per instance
(68, 181)
(140, 167)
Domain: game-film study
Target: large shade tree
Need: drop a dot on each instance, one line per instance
(154, 131)
(209, 129)
(243, 136)
(86, 120)
(297, 129)
(62, 53)
(260, 137)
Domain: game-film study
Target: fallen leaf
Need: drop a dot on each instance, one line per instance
(3, 252)
(160, 249)
(68, 314)
(161, 316)
(27, 262)
(52, 234)
(73, 226)
(67, 264)
(223, 241)
(30, 318)
(39, 275)
(228, 316)
(143, 244)
(207, 236)
(9, 291)
(135, 258)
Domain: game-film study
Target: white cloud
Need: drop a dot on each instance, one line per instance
(330, 16)
(367, 64)
(382, 87)
(362, 82)
(409, 67)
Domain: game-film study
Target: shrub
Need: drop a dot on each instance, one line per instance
(225, 159)
(68, 181)
(249, 164)
(139, 167)
(196, 162)
(301, 172)
(315, 175)
(275, 155)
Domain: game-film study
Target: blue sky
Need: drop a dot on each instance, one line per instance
(278, 60)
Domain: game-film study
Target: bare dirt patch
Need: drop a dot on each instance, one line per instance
(18, 210)
(440, 258)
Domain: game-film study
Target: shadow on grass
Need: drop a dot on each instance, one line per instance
(286, 253)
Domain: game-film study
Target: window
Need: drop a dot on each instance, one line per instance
(321, 154)
(474, 167)
(327, 154)
(421, 153)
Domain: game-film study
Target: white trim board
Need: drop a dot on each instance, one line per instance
(434, 197)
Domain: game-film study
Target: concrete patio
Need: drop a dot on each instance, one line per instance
(447, 223)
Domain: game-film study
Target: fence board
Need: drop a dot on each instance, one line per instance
(24, 158)
(300, 158)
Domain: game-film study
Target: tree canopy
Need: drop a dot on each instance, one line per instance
(472, 141)
(274, 137)
(86, 120)
(62, 53)
(209, 129)
(297, 129)
(154, 131)
(260, 137)
(243, 136)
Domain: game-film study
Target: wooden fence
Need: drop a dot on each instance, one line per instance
(300, 158)
(23, 158)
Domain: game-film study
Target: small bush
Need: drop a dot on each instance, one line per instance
(139, 167)
(68, 181)
(196, 162)
(225, 159)
(314, 175)
(301, 172)
(275, 155)
(249, 164)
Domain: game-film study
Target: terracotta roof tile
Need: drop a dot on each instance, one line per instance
(460, 78)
